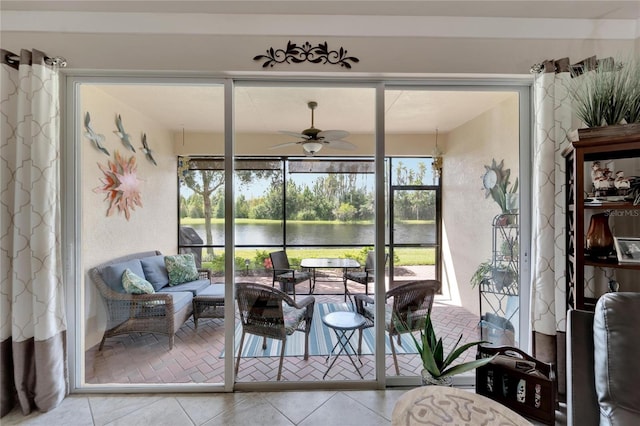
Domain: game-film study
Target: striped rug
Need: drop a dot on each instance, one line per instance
(321, 339)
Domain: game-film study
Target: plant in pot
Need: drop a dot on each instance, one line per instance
(438, 369)
(500, 276)
(607, 93)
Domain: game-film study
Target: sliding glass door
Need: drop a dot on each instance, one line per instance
(233, 175)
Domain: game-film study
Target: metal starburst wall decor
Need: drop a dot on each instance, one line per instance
(121, 185)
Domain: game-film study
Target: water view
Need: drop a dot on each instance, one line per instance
(310, 233)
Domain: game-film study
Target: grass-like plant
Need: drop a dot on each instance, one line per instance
(633, 114)
(608, 95)
(431, 350)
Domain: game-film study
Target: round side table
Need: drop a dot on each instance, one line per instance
(344, 324)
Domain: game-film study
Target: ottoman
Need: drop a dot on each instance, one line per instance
(209, 303)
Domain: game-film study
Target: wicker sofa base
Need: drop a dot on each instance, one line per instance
(163, 312)
(155, 325)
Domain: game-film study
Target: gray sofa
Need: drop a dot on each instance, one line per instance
(161, 312)
(603, 362)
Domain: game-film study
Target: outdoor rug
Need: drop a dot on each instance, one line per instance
(321, 339)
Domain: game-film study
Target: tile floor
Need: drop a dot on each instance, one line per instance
(322, 408)
(326, 408)
(254, 408)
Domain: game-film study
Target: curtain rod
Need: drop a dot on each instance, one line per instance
(563, 65)
(13, 60)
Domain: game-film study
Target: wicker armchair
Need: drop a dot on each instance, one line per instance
(285, 275)
(366, 275)
(268, 312)
(412, 302)
(146, 313)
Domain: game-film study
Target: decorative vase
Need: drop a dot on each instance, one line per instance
(429, 380)
(599, 236)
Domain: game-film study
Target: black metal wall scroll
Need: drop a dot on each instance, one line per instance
(296, 54)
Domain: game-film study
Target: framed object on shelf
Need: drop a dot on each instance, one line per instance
(627, 249)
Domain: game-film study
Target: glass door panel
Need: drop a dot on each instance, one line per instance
(132, 203)
(313, 209)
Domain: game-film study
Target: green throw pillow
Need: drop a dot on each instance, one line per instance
(134, 284)
(181, 268)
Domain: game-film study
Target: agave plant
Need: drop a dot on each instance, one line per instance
(431, 350)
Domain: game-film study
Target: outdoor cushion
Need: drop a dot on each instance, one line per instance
(370, 309)
(155, 271)
(181, 268)
(135, 284)
(291, 276)
(214, 291)
(360, 277)
(195, 287)
(181, 299)
(292, 317)
(112, 274)
(156, 308)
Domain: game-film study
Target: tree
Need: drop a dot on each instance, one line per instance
(242, 207)
(346, 212)
(204, 183)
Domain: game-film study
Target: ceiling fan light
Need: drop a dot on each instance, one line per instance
(311, 148)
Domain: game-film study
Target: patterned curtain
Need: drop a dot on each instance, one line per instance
(553, 122)
(33, 330)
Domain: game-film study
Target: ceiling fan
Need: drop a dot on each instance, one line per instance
(314, 139)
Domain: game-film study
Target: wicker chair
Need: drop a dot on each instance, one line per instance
(412, 303)
(285, 275)
(268, 312)
(142, 313)
(366, 275)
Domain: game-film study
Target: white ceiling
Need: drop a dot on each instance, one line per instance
(270, 109)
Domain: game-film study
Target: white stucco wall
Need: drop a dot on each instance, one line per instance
(467, 214)
(105, 238)
(223, 53)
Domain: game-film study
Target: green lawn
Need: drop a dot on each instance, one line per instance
(404, 256)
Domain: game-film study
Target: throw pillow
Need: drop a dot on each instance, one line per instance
(181, 268)
(154, 271)
(134, 284)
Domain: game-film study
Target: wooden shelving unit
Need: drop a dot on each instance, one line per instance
(594, 144)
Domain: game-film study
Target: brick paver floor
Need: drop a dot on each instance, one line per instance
(195, 357)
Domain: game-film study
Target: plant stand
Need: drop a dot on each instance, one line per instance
(499, 291)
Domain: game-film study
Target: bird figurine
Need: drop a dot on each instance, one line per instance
(124, 136)
(94, 137)
(147, 151)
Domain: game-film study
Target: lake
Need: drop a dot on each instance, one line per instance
(318, 234)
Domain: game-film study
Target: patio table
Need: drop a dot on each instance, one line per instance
(329, 263)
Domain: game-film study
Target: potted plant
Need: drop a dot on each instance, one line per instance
(437, 368)
(501, 276)
(608, 94)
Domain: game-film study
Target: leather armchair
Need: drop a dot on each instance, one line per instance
(603, 362)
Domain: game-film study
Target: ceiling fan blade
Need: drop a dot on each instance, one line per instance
(340, 144)
(332, 135)
(294, 134)
(282, 145)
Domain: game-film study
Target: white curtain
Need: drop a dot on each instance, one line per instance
(33, 330)
(552, 126)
